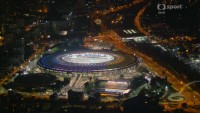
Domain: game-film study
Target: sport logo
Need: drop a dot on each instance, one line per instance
(163, 7)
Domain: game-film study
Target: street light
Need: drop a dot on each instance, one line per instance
(166, 88)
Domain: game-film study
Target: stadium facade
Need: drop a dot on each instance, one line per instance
(88, 63)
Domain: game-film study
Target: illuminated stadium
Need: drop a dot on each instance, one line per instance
(112, 88)
(86, 61)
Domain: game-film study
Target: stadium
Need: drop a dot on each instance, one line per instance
(87, 62)
(112, 87)
(37, 82)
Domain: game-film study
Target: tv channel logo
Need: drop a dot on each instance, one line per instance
(163, 7)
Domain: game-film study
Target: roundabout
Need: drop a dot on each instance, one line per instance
(176, 97)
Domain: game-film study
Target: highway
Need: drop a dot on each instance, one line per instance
(192, 96)
(17, 69)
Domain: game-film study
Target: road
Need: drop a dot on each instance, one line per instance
(192, 97)
(115, 39)
(12, 74)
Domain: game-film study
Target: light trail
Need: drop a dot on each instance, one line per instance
(188, 84)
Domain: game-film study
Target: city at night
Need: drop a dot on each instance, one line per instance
(100, 56)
